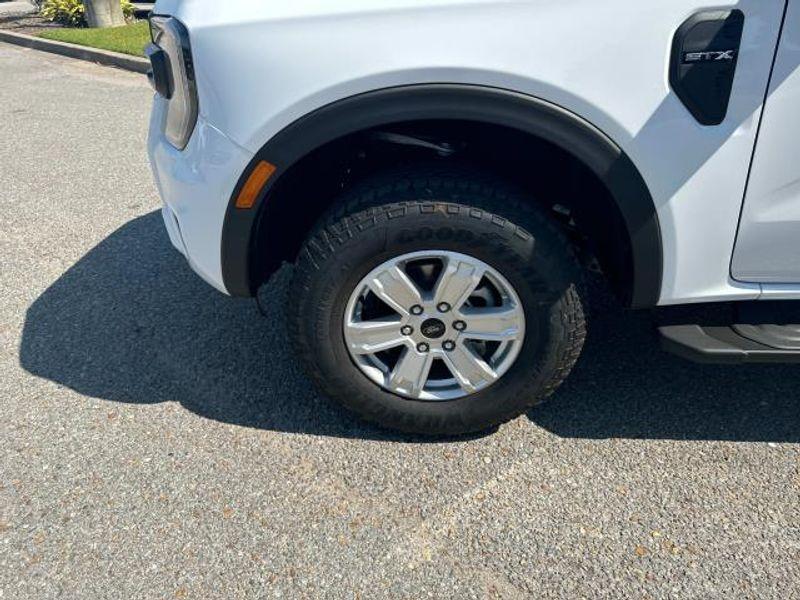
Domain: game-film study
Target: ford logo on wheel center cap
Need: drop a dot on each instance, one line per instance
(433, 328)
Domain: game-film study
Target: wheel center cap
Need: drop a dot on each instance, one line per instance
(433, 328)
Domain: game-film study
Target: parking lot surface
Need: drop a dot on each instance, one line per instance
(157, 440)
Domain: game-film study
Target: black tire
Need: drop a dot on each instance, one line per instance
(424, 209)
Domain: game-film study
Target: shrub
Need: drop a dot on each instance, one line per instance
(71, 13)
(66, 12)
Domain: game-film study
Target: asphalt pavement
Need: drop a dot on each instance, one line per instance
(157, 439)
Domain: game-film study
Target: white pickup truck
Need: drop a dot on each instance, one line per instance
(443, 172)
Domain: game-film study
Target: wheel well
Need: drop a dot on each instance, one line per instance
(554, 179)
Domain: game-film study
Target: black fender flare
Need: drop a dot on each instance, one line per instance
(466, 103)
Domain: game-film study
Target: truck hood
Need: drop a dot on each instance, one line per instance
(200, 13)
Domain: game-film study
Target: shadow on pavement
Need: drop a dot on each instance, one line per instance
(131, 323)
(625, 386)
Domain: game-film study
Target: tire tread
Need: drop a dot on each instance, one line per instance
(370, 203)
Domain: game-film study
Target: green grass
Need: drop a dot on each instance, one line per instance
(128, 39)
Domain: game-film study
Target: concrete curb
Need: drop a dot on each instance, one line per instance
(103, 57)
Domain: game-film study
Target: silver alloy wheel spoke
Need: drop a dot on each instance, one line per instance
(410, 373)
(434, 339)
(493, 324)
(368, 337)
(394, 287)
(458, 280)
(469, 369)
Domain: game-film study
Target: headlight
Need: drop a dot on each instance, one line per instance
(172, 76)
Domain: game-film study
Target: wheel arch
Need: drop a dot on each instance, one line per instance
(454, 102)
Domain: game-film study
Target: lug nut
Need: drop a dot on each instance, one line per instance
(443, 307)
(459, 326)
(416, 309)
(423, 347)
(449, 346)
(407, 330)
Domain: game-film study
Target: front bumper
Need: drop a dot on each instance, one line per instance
(195, 185)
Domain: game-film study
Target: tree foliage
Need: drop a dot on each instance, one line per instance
(72, 13)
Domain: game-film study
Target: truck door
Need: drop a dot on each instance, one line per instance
(768, 244)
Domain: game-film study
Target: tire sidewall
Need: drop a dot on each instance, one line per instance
(367, 240)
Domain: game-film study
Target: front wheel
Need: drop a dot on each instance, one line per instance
(437, 303)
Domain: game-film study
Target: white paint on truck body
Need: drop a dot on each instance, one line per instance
(262, 65)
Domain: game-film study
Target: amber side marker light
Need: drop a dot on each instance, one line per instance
(254, 184)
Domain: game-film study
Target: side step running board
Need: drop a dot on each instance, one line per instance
(734, 343)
